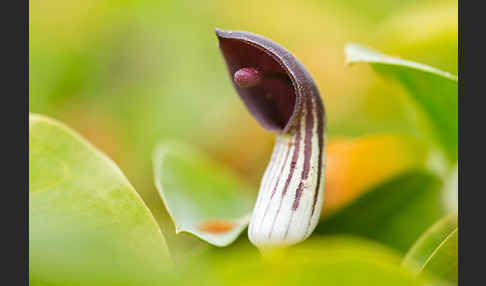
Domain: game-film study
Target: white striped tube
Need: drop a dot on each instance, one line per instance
(291, 192)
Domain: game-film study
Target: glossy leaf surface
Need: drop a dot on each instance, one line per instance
(339, 260)
(436, 250)
(434, 90)
(202, 197)
(87, 225)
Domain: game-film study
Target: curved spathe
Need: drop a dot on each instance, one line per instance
(283, 97)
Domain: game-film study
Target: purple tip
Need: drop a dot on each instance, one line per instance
(247, 77)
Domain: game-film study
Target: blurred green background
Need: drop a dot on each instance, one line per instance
(127, 74)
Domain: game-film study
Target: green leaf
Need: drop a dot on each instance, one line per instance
(395, 213)
(435, 90)
(87, 225)
(202, 197)
(436, 250)
(340, 260)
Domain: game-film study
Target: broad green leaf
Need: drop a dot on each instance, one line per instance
(443, 261)
(436, 250)
(395, 213)
(339, 260)
(87, 225)
(202, 197)
(435, 90)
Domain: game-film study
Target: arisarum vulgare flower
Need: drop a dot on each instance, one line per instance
(283, 97)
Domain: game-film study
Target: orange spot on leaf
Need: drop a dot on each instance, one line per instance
(216, 226)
